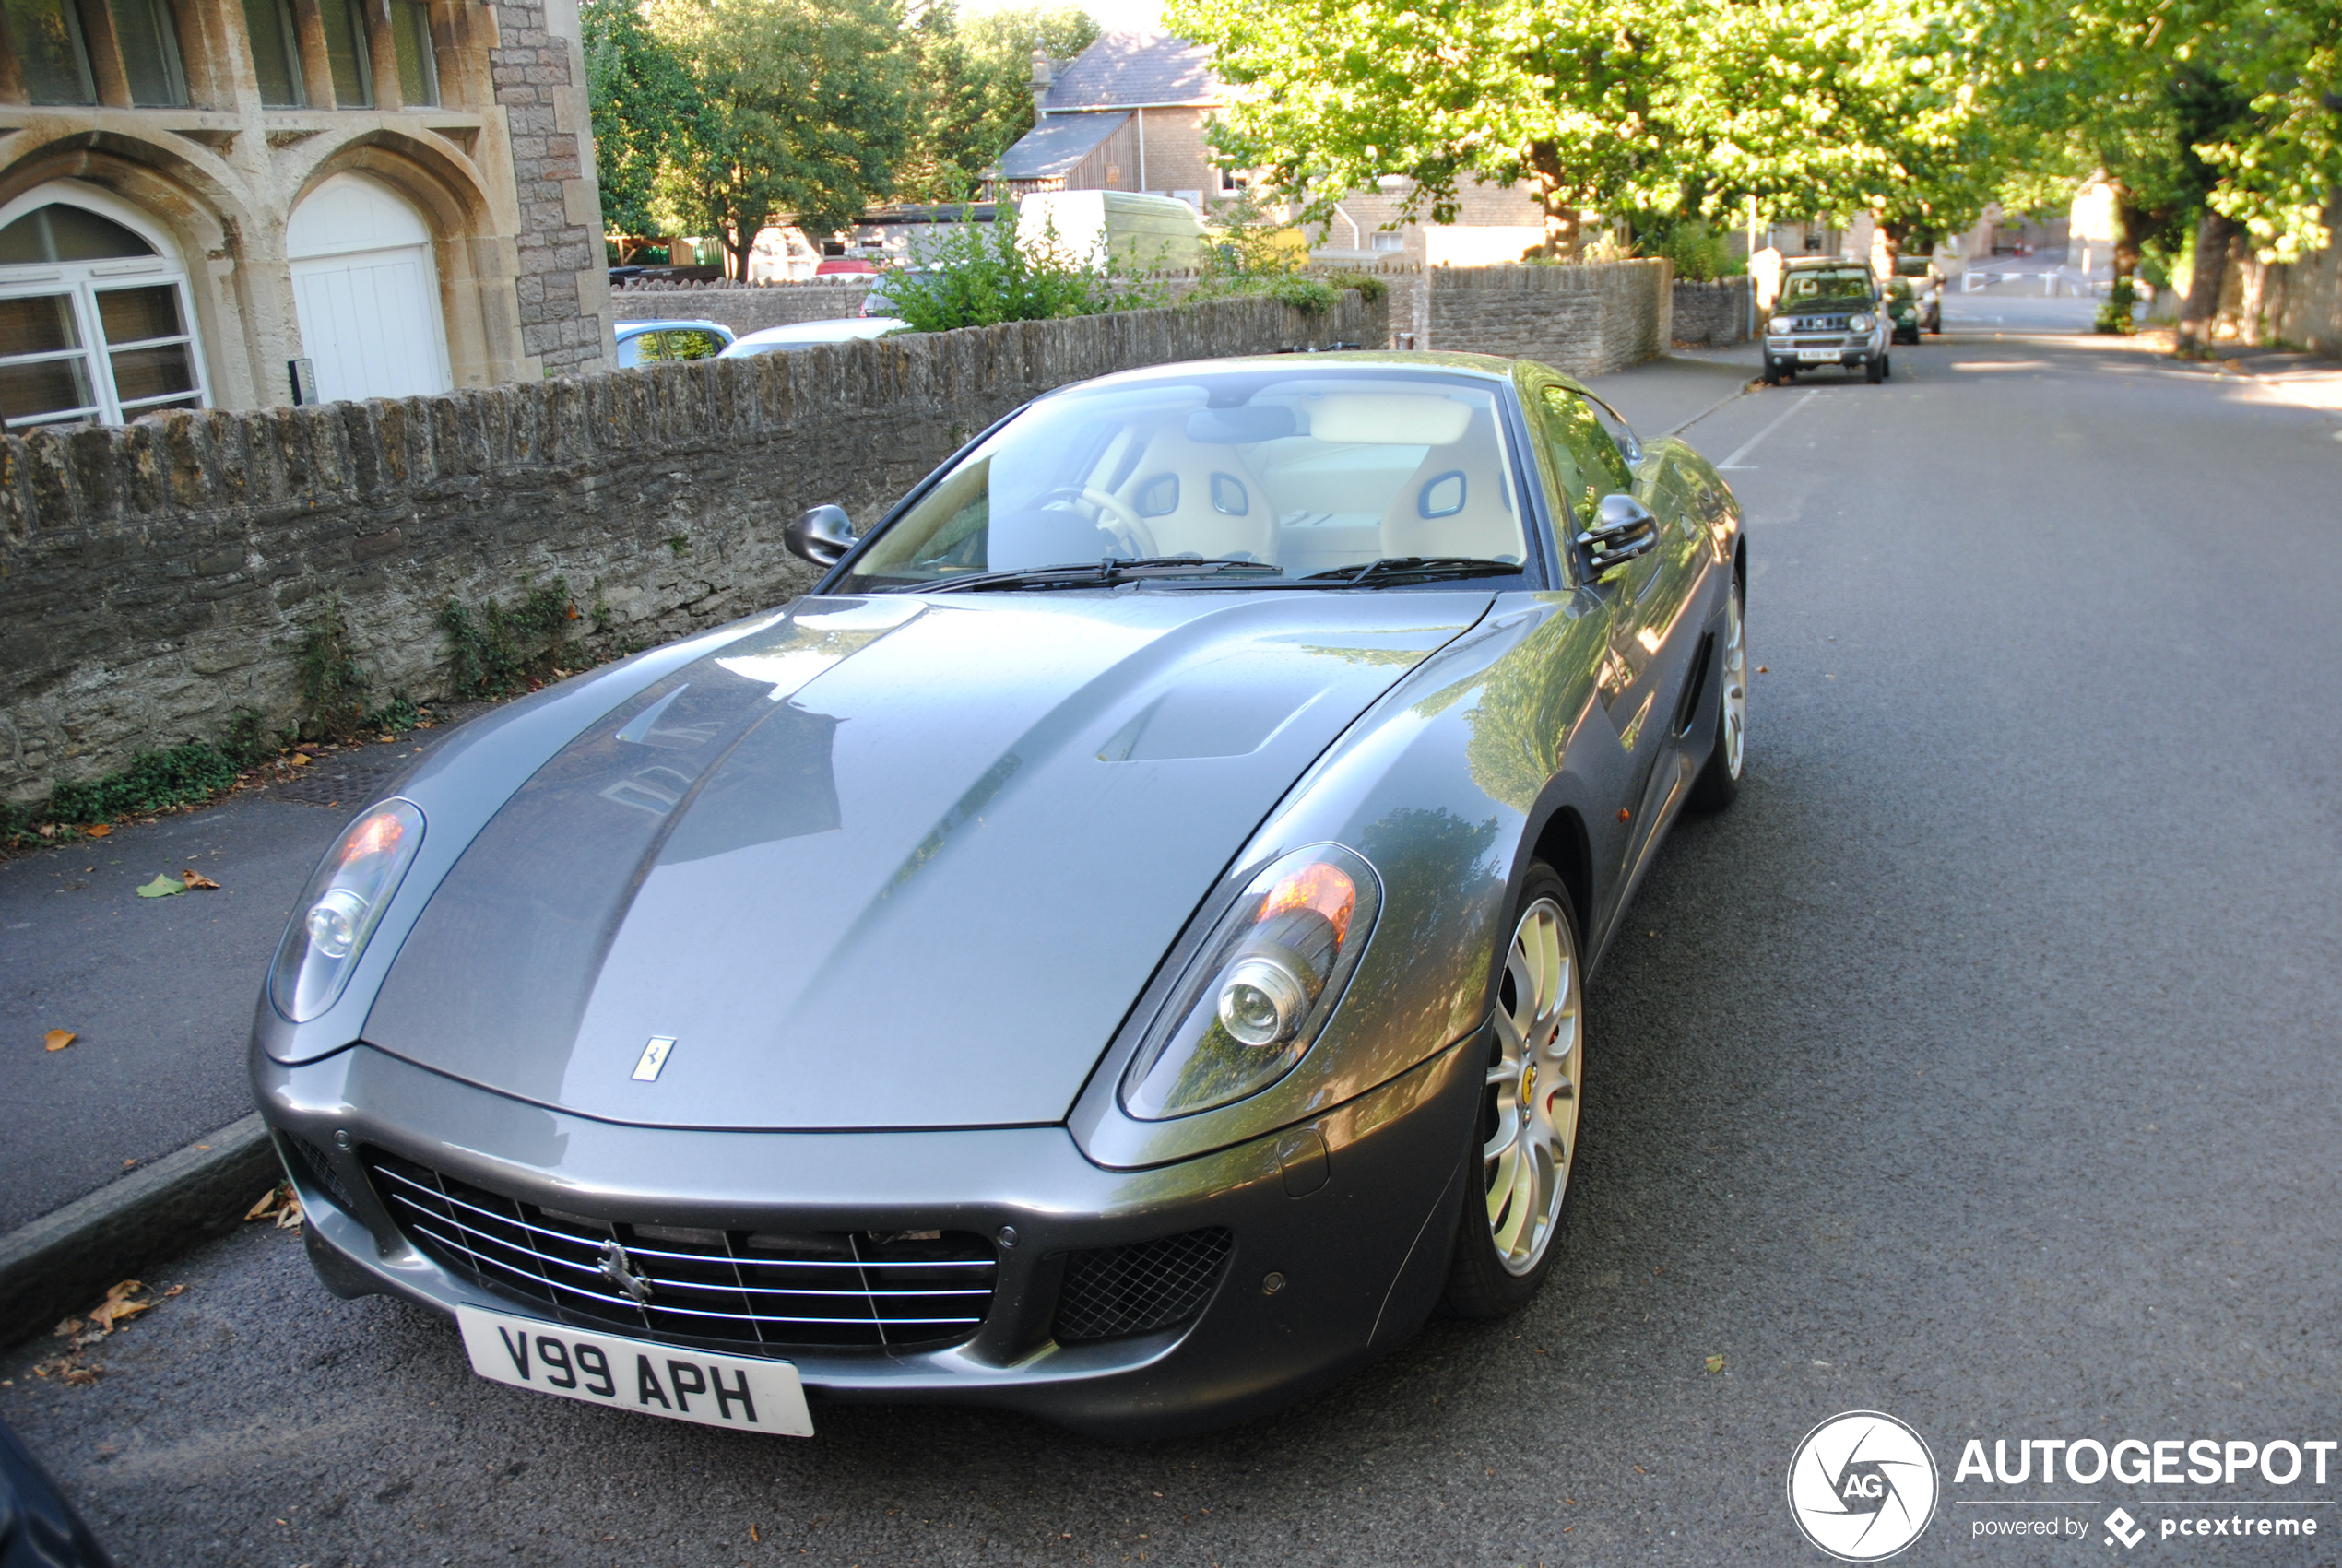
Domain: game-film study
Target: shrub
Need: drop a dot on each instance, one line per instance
(493, 651)
(980, 275)
(1701, 255)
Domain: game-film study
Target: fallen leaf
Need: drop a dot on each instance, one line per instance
(267, 1201)
(1761, 669)
(81, 1374)
(162, 887)
(127, 1287)
(1715, 1363)
(98, 829)
(127, 1163)
(58, 1039)
(195, 879)
(50, 831)
(297, 760)
(174, 1290)
(68, 1328)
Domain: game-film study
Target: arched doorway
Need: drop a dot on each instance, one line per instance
(95, 321)
(366, 291)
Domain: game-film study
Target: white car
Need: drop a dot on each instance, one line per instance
(810, 333)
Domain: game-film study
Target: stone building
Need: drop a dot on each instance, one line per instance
(1134, 113)
(239, 202)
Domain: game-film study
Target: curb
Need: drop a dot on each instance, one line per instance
(63, 1261)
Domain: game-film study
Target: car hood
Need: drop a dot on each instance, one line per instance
(888, 862)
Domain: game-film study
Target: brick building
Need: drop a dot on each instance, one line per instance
(1132, 112)
(240, 202)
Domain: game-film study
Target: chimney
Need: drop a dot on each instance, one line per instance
(1044, 77)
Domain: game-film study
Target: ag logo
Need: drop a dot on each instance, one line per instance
(1862, 1486)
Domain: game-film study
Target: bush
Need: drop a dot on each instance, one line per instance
(2114, 316)
(493, 650)
(980, 276)
(1701, 255)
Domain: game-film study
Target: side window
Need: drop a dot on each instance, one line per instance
(693, 345)
(1584, 457)
(630, 350)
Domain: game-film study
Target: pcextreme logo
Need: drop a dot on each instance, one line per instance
(1862, 1486)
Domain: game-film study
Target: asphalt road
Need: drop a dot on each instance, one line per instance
(1977, 1068)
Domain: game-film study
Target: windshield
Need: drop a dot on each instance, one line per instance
(1827, 286)
(1296, 473)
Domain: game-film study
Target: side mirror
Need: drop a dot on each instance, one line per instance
(1624, 528)
(822, 535)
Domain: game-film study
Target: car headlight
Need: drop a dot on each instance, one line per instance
(1781, 327)
(342, 906)
(1258, 991)
(1861, 321)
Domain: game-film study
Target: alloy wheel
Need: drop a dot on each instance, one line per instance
(1735, 685)
(1528, 1109)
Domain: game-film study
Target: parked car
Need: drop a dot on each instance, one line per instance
(846, 266)
(808, 333)
(654, 342)
(1924, 279)
(1906, 318)
(38, 1527)
(1828, 313)
(1114, 950)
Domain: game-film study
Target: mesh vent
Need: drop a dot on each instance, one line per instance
(1134, 1290)
(320, 1166)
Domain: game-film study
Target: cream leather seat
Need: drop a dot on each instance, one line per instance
(1457, 501)
(1215, 504)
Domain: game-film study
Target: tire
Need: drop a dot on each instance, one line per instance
(1772, 372)
(1874, 369)
(1524, 1135)
(1718, 782)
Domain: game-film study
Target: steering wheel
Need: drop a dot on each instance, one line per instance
(1133, 535)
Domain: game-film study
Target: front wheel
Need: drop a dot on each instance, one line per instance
(1874, 369)
(1719, 782)
(1524, 1139)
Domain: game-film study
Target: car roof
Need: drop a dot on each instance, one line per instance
(804, 333)
(636, 328)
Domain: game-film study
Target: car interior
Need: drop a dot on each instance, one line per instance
(1306, 477)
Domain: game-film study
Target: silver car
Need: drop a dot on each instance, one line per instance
(1115, 948)
(1828, 315)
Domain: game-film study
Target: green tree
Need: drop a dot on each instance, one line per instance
(805, 110)
(641, 97)
(975, 88)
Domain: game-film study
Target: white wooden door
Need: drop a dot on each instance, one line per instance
(366, 292)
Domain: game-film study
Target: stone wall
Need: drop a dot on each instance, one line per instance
(155, 577)
(2297, 302)
(743, 308)
(1585, 320)
(1712, 315)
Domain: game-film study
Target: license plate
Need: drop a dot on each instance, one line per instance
(1816, 355)
(634, 1374)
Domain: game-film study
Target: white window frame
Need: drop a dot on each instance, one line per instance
(83, 282)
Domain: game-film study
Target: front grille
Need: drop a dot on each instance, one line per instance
(1133, 1290)
(738, 1290)
(1820, 324)
(321, 1168)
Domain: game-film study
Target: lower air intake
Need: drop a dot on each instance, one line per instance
(1135, 1290)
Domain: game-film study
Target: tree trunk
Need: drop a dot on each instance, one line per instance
(2132, 221)
(2201, 313)
(1557, 201)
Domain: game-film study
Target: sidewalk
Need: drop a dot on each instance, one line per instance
(159, 992)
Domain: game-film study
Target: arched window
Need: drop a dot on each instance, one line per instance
(95, 319)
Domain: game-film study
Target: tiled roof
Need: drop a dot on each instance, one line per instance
(1123, 70)
(1059, 142)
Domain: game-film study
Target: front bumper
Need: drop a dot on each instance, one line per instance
(1851, 352)
(1354, 1213)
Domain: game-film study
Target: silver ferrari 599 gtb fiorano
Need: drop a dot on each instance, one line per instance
(1113, 949)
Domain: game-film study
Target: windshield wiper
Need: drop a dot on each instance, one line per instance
(1090, 574)
(1391, 568)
